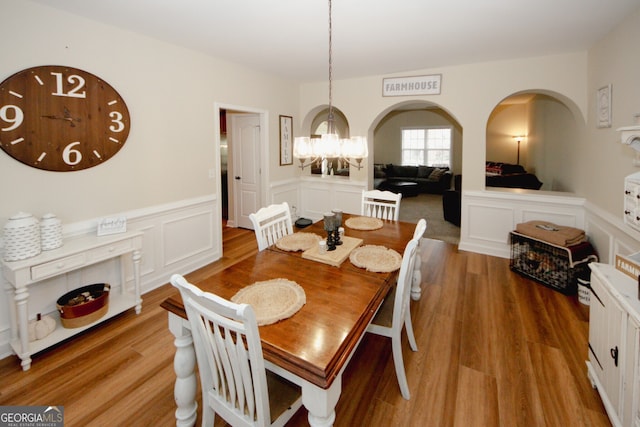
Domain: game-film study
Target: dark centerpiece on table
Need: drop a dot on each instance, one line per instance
(331, 226)
(338, 221)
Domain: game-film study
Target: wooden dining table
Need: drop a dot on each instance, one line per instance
(312, 347)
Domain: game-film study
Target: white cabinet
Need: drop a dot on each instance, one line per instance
(76, 253)
(614, 343)
(632, 201)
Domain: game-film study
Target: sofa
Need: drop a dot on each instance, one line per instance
(434, 180)
(508, 175)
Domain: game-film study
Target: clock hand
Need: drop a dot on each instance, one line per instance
(68, 119)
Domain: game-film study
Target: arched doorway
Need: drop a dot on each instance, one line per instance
(386, 149)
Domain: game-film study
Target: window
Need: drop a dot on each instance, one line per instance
(426, 146)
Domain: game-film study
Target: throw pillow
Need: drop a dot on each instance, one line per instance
(436, 174)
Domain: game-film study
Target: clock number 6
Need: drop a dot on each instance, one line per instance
(70, 155)
(16, 119)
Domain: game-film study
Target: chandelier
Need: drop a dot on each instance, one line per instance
(330, 146)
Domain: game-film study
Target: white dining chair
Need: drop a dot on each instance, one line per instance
(271, 223)
(418, 233)
(394, 315)
(381, 204)
(235, 384)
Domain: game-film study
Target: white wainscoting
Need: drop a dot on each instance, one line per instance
(178, 238)
(287, 191)
(488, 216)
(319, 195)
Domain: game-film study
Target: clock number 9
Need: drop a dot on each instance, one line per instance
(70, 153)
(16, 118)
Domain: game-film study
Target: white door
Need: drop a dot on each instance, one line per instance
(245, 145)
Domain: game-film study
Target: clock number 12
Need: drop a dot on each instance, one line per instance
(73, 79)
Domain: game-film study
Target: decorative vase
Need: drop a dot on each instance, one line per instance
(21, 237)
(50, 232)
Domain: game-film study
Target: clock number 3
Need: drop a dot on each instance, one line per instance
(116, 118)
(72, 79)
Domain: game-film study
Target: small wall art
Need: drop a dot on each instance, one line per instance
(286, 140)
(603, 105)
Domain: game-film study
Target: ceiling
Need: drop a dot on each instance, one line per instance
(290, 38)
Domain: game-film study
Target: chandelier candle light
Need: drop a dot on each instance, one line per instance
(329, 146)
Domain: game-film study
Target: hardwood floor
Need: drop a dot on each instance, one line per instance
(495, 349)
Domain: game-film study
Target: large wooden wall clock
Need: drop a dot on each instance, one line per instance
(59, 118)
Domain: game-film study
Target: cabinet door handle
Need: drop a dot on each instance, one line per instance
(614, 355)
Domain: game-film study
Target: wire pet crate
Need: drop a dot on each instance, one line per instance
(557, 267)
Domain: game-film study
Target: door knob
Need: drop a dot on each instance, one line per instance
(614, 355)
(237, 177)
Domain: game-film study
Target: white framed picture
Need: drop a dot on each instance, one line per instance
(603, 105)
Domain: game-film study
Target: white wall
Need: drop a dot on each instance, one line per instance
(614, 60)
(606, 162)
(170, 92)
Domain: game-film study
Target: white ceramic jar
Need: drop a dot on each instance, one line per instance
(21, 237)
(50, 232)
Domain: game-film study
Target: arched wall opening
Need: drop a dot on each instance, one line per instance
(551, 128)
(385, 142)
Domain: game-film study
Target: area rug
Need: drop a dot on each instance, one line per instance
(429, 207)
(377, 259)
(272, 300)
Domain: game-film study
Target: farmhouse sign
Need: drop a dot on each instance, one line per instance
(415, 85)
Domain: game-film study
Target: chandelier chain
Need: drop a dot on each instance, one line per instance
(330, 125)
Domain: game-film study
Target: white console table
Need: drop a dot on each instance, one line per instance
(74, 254)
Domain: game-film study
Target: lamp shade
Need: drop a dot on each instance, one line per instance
(303, 147)
(329, 146)
(355, 147)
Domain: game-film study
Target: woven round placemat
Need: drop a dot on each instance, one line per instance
(272, 300)
(298, 241)
(377, 259)
(364, 223)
